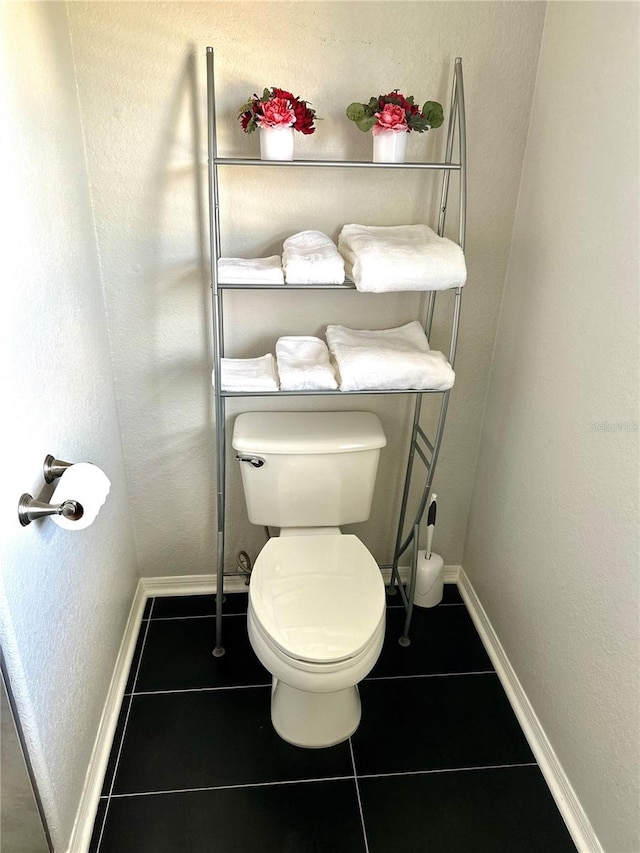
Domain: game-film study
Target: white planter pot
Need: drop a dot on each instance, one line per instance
(276, 143)
(389, 147)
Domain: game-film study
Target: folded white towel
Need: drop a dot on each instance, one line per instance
(401, 257)
(405, 338)
(388, 359)
(303, 364)
(249, 374)
(310, 257)
(251, 270)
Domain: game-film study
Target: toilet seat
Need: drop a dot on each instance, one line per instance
(319, 599)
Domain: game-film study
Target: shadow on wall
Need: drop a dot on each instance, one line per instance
(176, 284)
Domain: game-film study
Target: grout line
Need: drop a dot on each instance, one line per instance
(232, 787)
(124, 728)
(198, 616)
(355, 779)
(266, 684)
(200, 689)
(104, 821)
(430, 675)
(446, 770)
(144, 641)
(319, 779)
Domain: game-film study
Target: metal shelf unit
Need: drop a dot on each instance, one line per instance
(420, 447)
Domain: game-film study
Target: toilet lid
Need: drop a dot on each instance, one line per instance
(319, 598)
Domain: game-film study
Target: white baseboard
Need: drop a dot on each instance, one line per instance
(188, 585)
(150, 588)
(566, 799)
(206, 584)
(85, 817)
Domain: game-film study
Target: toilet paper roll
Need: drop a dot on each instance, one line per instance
(85, 483)
(429, 580)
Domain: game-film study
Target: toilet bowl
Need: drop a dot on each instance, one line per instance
(316, 612)
(316, 621)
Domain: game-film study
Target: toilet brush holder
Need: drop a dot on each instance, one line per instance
(429, 580)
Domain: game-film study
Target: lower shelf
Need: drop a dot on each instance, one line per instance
(324, 393)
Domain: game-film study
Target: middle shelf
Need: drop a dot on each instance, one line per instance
(346, 285)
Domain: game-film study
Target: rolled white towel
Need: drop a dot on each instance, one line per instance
(310, 257)
(251, 270)
(303, 364)
(248, 374)
(401, 257)
(388, 359)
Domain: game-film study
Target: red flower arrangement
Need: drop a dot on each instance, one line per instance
(395, 112)
(277, 108)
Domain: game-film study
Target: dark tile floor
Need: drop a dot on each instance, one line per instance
(439, 763)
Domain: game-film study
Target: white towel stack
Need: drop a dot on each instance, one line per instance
(251, 270)
(401, 257)
(388, 359)
(310, 257)
(249, 374)
(303, 364)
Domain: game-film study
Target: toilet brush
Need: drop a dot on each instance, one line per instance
(430, 570)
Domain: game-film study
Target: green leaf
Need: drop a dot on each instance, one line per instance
(432, 111)
(246, 107)
(266, 95)
(418, 123)
(365, 124)
(355, 112)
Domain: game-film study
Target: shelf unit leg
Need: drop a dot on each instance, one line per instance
(218, 348)
(397, 551)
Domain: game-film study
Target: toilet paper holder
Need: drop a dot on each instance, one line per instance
(29, 509)
(54, 468)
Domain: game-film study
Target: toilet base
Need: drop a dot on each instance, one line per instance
(314, 720)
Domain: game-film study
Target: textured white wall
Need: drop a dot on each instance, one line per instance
(64, 597)
(552, 545)
(141, 77)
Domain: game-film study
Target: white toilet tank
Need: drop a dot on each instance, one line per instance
(308, 469)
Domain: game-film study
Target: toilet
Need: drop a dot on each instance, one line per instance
(316, 614)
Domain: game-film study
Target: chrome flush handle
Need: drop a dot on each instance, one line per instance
(256, 461)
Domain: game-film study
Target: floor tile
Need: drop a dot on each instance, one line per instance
(433, 723)
(178, 655)
(315, 817)
(209, 738)
(175, 606)
(508, 810)
(451, 594)
(443, 640)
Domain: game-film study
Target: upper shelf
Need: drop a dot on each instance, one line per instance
(340, 164)
(336, 393)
